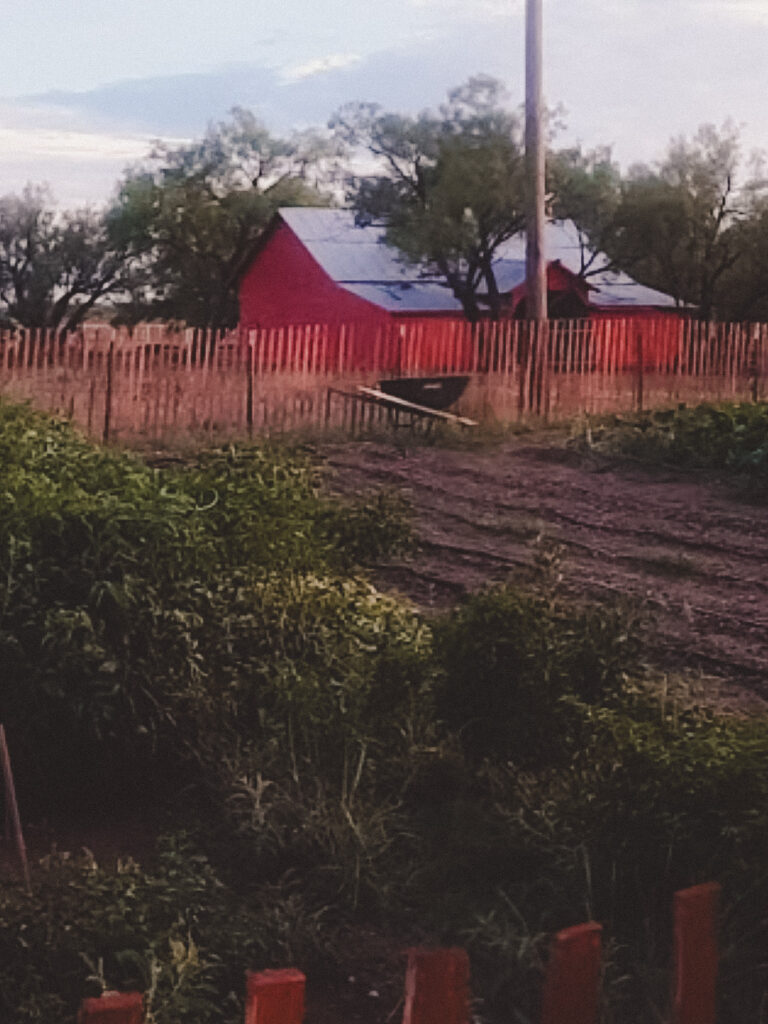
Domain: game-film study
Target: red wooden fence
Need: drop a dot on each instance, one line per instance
(437, 981)
(157, 381)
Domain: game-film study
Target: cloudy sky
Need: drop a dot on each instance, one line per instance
(86, 84)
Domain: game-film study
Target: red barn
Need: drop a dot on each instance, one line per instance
(315, 265)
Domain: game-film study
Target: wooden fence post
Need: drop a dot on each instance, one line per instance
(274, 997)
(437, 987)
(696, 954)
(108, 395)
(572, 984)
(251, 352)
(112, 1008)
(12, 818)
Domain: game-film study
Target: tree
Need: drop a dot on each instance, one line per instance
(585, 188)
(193, 216)
(674, 227)
(449, 189)
(743, 287)
(54, 267)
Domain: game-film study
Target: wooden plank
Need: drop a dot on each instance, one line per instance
(422, 410)
(12, 808)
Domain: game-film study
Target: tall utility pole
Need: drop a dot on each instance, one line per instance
(536, 270)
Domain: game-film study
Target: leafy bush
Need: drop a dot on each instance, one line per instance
(507, 660)
(132, 600)
(176, 933)
(729, 436)
(652, 800)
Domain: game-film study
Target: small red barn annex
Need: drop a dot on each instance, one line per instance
(315, 265)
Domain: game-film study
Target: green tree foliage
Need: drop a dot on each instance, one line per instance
(673, 228)
(585, 187)
(450, 186)
(683, 225)
(54, 267)
(192, 217)
(743, 288)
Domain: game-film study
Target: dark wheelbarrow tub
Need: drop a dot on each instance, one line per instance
(432, 392)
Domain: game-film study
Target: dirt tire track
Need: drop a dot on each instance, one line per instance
(683, 546)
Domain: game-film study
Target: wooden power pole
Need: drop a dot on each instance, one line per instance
(536, 269)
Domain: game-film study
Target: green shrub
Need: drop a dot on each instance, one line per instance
(176, 933)
(507, 659)
(654, 801)
(133, 615)
(730, 436)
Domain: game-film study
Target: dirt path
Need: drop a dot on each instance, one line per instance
(686, 548)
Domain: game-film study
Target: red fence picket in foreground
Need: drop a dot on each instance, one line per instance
(572, 984)
(696, 954)
(437, 987)
(437, 981)
(112, 1008)
(274, 997)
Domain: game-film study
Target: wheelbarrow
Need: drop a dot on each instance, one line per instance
(431, 392)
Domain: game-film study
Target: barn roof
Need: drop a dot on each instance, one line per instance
(612, 287)
(406, 296)
(357, 259)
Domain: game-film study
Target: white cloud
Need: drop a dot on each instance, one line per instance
(80, 158)
(70, 145)
(749, 10)
(333, 62)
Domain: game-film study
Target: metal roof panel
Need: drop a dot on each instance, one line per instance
(359, 259)
(406, 296)
(345, 251)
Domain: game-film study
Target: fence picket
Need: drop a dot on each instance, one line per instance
(572, 983)
(275, 997)
(437, 987)
(112, 1008)
(696, 954)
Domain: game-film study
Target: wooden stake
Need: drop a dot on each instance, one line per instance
(251, 351)
(112, 1008)
(108, 397)
(572, 984)
(437, 987)
(12, 808)
(696, 955)
(274, 997)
